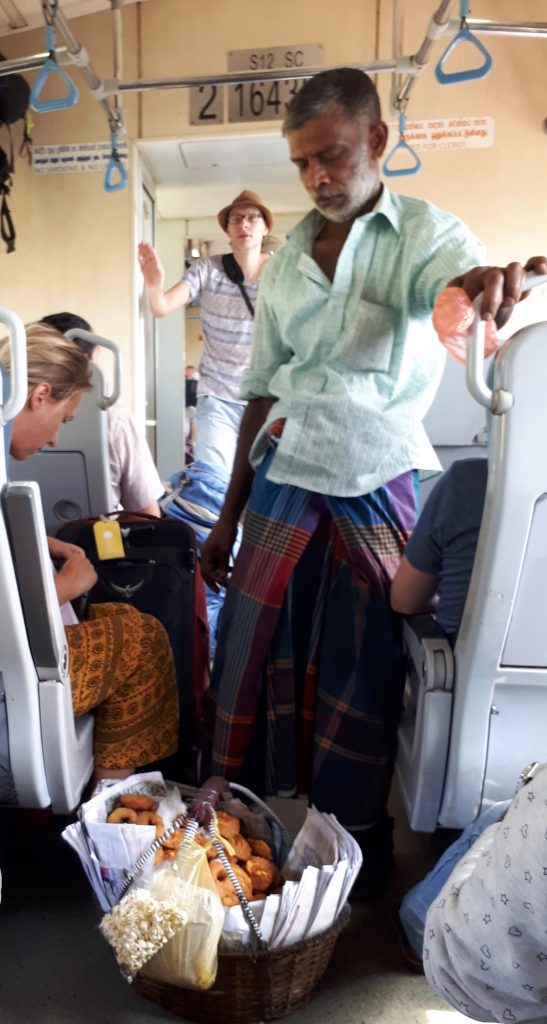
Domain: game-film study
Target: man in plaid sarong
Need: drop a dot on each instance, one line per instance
(308, 673)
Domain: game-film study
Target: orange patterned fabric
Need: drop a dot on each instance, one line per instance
(121, 666)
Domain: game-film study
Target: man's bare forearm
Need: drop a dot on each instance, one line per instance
(162, 303)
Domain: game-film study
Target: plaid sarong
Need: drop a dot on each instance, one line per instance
(308, 675)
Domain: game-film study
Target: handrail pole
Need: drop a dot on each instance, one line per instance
(530, 30)
(437, 27)
(81, 58)
(34, 63)
(117, 47)
(237, 77)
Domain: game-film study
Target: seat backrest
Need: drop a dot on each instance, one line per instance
(4, 387)
(63, 744)
(22, 772)
(474, 717)
(46, 756)
(74, 477)
(454, 424)
(500, 694)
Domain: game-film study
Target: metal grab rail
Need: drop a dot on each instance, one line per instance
(96, 339)
(18, 371)
(498, 401)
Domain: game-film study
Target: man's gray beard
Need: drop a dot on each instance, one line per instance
(339, 216)
(366, 183)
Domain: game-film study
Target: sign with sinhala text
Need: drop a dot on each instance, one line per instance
(75, 157)
(448, 133)
(255, 101)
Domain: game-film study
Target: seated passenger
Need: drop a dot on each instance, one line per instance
(485, 945)
(435, 570)
(134, 478)
(121, 664)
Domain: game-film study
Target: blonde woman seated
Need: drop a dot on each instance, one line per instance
(121, 665)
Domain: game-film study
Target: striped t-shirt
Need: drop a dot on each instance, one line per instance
(226, 325)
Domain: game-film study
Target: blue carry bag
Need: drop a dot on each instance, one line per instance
(196, 495)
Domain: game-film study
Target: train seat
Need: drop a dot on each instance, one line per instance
(454, 424)
(74, 477)
(474, 717)
(46, 755)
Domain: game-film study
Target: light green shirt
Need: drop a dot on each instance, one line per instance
(354, 363)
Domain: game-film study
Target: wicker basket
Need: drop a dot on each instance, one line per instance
(274, 984)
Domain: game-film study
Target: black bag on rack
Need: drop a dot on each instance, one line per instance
(159, 575)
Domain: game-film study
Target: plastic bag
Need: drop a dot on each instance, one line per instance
(453, 316)
(170, 927)
(190, 958)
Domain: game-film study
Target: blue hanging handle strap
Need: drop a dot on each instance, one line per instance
(116, 175)
(51, 67)
(401, 145)
(463, 36)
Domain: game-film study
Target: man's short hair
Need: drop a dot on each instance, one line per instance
(348, 88)
(64, 322)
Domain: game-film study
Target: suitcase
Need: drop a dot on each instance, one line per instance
(160, 575)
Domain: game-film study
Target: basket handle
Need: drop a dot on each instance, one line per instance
(206, 799)
(201, 812)
(263, 807)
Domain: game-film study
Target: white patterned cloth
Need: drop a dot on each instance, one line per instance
(133, 476)
(485, 943)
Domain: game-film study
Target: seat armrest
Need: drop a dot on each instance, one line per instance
(430, 652)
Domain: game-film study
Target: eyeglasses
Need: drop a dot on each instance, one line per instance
(238, 218)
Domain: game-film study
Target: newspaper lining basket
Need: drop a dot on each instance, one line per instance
(272, 985)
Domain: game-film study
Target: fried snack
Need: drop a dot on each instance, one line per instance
(260, 849)
(226, 891)
(137, 801)
(241, 848)
(149, 818)
(208, 846)
(263, 873)
(228, 825)
(122, 815)
(174, 841)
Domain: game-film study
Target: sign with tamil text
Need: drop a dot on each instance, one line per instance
(448, 133)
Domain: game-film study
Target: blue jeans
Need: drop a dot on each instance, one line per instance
(418, 900)
(217, 430)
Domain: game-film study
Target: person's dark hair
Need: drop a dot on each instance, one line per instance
(348, 88)
(64, 322)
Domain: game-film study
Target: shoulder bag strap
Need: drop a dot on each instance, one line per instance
(234, 273)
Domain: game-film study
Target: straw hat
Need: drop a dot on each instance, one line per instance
(245, 198)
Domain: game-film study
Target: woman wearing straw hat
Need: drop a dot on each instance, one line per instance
(226, 287)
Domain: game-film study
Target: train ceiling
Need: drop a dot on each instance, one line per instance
(20, 15)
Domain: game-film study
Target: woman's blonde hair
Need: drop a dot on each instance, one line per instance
(52, 358)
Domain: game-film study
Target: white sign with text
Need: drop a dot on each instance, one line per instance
(447, 133)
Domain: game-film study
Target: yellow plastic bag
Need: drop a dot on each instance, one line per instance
(169, 928)
(189, 959)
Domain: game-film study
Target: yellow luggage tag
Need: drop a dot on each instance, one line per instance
(108, 540)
